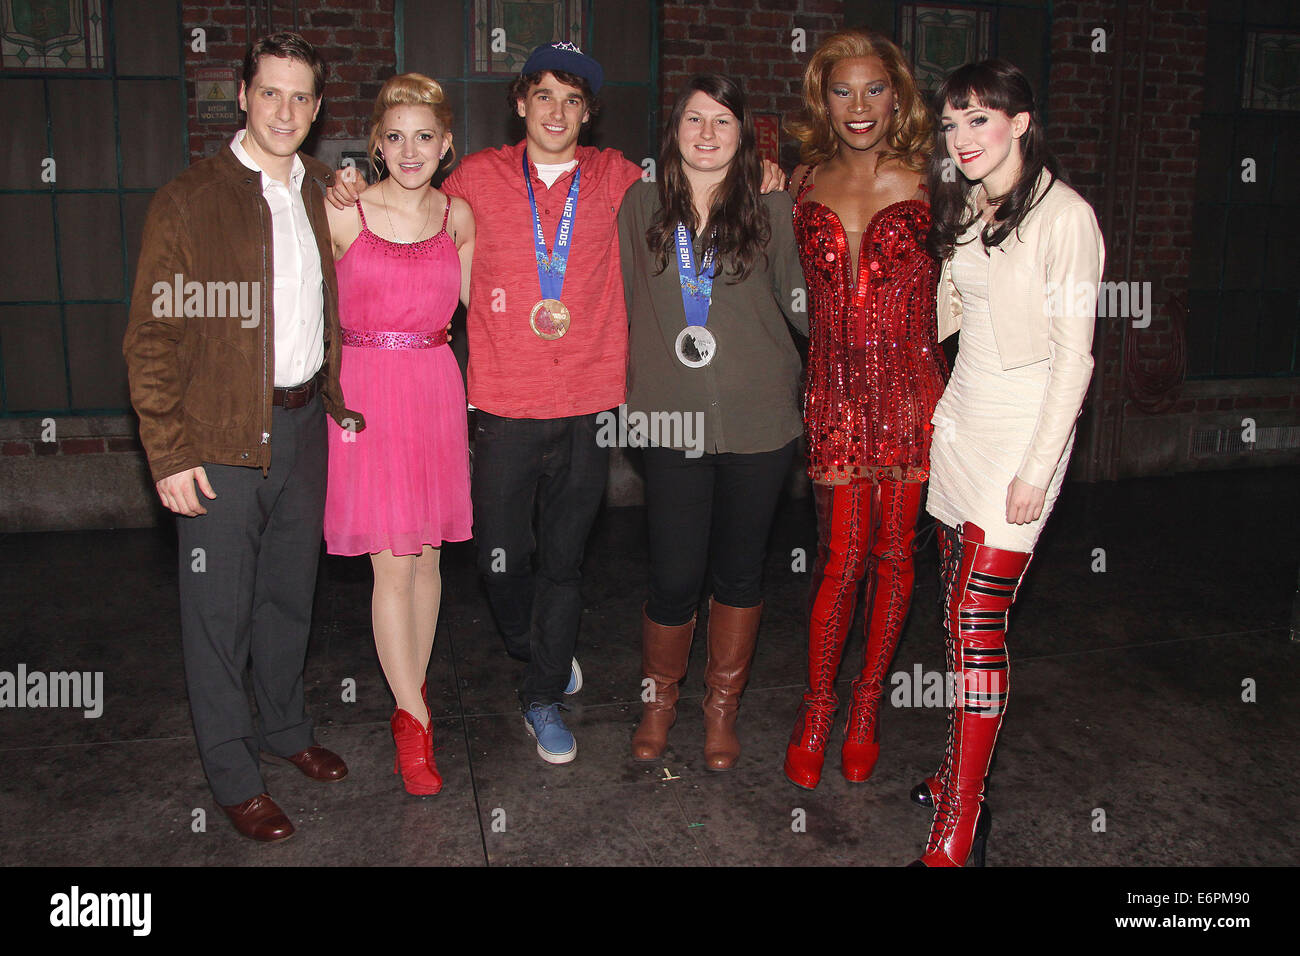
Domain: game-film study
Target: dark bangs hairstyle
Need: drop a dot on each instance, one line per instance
(994, 85)
(738, 219)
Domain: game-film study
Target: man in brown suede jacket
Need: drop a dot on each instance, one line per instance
(233, 355)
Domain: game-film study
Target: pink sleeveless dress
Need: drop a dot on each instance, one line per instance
(403, 481)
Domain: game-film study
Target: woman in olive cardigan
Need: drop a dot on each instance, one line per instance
(711, 275)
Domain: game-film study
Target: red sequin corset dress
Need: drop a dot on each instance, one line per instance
(875, 371)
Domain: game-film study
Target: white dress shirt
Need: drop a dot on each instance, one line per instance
(299, 284)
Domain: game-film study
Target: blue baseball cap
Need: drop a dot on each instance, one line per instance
(567, 57)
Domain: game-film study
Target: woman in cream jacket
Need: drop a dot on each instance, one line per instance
(1022, 256)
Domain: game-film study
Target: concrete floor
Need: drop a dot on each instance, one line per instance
(1126, 697)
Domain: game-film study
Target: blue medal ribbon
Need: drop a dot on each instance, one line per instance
(550, 268)
(697, 287)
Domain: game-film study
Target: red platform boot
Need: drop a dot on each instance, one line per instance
(979, 596)
(890, 575)
(844, 525)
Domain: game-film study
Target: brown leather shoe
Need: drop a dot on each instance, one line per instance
(664, 653)
(260, 818)
(732, 634)
(319, 763)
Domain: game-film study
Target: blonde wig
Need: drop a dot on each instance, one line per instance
(910, 136)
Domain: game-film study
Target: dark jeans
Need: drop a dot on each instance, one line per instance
(247, 579)
(719, 507)
(537, 489)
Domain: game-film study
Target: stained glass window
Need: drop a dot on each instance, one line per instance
(1272, 80)
(52, 34)
(506, 31)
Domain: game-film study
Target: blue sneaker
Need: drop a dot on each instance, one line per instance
(554, 742)
(575, 679)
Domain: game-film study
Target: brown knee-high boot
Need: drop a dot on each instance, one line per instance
(732, 634)
(664, 653)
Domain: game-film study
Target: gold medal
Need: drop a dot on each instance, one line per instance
(550, 319)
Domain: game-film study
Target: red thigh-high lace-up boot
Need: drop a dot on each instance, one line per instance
(979, 596)
(924, 793)
(844, 526)
(889, 575)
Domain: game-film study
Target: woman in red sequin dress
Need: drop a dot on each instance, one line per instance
(875, 371)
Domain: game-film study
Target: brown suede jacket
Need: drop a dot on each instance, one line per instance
(202, 368)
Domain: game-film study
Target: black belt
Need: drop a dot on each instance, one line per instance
(299, 395)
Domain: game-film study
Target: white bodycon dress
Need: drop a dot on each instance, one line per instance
(985, 420)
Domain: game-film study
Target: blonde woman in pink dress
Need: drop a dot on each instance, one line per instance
(399, 488)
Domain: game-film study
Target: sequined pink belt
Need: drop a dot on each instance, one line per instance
(370, 339)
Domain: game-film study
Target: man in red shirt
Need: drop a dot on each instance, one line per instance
(540, 375)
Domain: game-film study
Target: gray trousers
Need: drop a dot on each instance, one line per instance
(247, 581)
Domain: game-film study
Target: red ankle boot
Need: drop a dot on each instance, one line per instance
(844, 523)
(414, 754)
(981, 585)
(890, 576)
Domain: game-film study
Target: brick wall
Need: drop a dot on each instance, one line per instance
(1164, 143)
(69, 473)
(355, 37)
(28, 447)
(1082, 93)
(750, 39)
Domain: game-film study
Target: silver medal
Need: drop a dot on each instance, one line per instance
(695, 346)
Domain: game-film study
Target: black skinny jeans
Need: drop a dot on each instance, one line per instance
(709, 514)
(554, 470)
